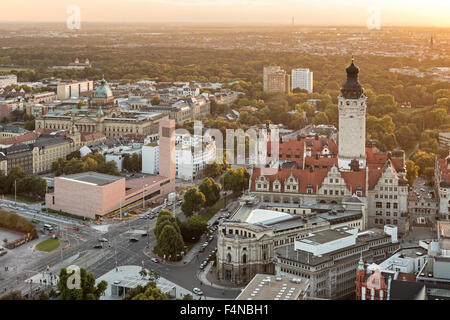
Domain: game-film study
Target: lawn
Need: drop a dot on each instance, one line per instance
(22, 199)
(48, 245)
(208, 213)
(9, 69)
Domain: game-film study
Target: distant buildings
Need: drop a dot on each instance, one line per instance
(191, 156)
(276, 80)
(76, 64)
(7, 80)
(302, 78)
(73, 89)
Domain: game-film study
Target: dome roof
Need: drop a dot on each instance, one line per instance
(352, 89)
(103, 91)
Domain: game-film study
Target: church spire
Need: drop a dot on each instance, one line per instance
(361, 263)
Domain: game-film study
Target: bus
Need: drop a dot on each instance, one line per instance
(48, 227)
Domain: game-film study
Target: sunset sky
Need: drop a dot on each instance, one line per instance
(306, 12)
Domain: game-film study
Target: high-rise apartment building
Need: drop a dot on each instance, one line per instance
(276, 80)
(302, 78)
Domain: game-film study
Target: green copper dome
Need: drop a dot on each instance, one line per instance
(103, 91)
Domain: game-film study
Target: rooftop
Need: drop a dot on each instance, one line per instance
(268, 287)
(93, 178)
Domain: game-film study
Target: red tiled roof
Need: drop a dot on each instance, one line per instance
(85, 136)
(295, 148)
(315, 178)
(29, 136)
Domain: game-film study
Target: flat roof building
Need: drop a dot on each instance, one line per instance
(269, 287)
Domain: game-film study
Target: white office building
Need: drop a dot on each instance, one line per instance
(302, 78)
(150, 158)
(192, 153)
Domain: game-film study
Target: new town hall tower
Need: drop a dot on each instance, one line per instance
(352, 121)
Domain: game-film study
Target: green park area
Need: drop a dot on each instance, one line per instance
(48, 245)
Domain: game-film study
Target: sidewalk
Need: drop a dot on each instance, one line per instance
(202, 276)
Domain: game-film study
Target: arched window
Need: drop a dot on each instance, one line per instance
(244, 258)
(228, 257)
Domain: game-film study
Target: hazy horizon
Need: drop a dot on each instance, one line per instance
(402, 13)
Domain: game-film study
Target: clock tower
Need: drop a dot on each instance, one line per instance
(352, 121)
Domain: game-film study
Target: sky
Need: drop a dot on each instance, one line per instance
(434, 13)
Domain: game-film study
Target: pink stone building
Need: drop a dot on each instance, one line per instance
(93, 195)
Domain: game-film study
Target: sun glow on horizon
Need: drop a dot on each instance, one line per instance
(433, 13)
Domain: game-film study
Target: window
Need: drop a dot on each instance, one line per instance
(228, 257)
(379, 205)
(395, 205)
(388, 205)
(244, 258)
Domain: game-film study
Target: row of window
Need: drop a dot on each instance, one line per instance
(388, 221)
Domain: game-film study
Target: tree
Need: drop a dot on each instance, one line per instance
(412, 171)
(170, 242)
(87, 291)
(13, 295)
(236, 180)
(320, 118)
(187, 296)
(404, 137)
(212, 169)
(149, 292)
(156, 100)
(143, 273)
(193, 201)
(423, 160)
(193, 227)
(428, 173)
(211, 190)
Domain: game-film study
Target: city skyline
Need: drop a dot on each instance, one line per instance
(328, 12)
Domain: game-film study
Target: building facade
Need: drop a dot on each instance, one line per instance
(442, 186)
(302, 78)
(328, 259)
(276, 80)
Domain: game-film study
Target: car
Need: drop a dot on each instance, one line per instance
(154, 260)
(197, 291)
(98, 246)
(202, 266)
(205, 262)
(134, 239)
(144, 234)
(206, 243)
(422, 189)
(103, 240)
(201, 250)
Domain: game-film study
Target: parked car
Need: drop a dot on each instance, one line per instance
(103, 240)
(154, 260)
(98, 246)
(134, 239)
(197, 291)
